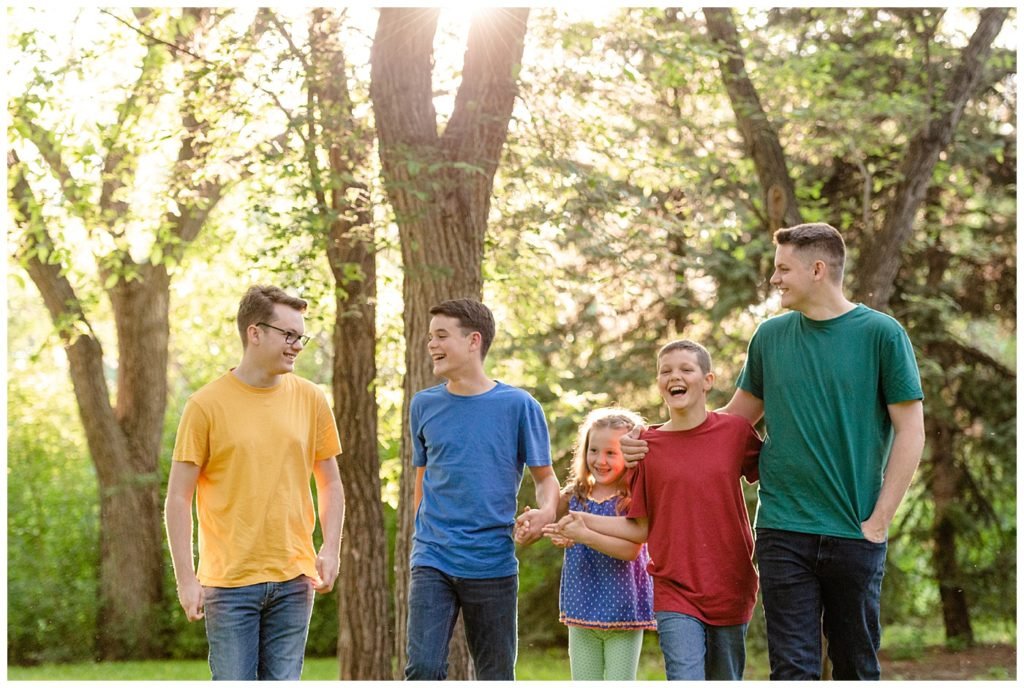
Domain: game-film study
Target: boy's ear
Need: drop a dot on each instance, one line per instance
(709, 381)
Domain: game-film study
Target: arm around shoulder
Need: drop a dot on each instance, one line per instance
(746, 405)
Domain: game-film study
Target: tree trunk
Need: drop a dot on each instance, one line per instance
(124, 443)
(440, 190)
(762, 140)
(881, 256)
(364, 642)
(945, 488)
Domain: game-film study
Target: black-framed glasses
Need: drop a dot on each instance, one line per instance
(289, 336)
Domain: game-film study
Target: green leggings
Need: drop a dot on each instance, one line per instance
(596, 655)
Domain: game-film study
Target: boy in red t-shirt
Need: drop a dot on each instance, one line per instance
(688, 506)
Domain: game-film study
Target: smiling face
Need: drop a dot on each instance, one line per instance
(604, 456)
(452, 352)
(682, 383)
(275, 356)
(795, 276)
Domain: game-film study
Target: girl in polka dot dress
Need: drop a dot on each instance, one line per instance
(606, 601)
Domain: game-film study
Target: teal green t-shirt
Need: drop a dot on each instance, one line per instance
(825, 386)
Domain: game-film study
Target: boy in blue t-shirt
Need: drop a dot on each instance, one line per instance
(471, 437)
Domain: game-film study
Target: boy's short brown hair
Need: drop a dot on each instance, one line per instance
(703, 357)
(257, 305)
(820, 238)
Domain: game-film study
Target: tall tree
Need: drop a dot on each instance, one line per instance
(96, 185)
(439, 186)
(881, 257)
(322, 171)
(343, 142)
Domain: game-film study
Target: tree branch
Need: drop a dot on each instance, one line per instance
(154, 39)
(880, 262)
(85, 355)
(46, 143)
(757, 131)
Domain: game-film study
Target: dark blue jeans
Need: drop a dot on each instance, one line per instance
(488, 611)
(816, 583)
(258, 632)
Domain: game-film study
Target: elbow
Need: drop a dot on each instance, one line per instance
(638, 538)
(625, 554)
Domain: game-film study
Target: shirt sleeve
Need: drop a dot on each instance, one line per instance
(901, 379)
(637, 493)
(328, 444)
(534, 443)
(192, 443)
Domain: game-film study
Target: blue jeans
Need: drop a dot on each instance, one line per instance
(697, 651)
(258, 632)
(488, 611)
(814, 584)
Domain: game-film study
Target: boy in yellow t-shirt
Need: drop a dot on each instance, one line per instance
(246, 447)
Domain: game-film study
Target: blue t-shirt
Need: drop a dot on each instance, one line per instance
(599, 591)
(474, 449)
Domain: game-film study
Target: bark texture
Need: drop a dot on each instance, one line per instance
(439, 186)
(760, 137)
(880, 257)
(364, 637)
(946, 485)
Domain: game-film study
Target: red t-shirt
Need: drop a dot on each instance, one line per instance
(699, 539)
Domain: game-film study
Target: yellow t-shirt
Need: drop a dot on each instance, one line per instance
(255, 448)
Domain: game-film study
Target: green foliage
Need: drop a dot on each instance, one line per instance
(52, 528)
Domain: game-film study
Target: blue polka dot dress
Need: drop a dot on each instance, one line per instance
(599, 591)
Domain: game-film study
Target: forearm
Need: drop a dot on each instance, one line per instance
(744, 404)
(616, 547)
(546, 491)
(631, 529)
(332, 514)
(331, 503)
(178, 518)
(903, 461)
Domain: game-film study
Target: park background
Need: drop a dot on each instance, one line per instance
(606, 179)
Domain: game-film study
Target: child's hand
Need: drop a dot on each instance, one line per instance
(633, 448)
(529, 526)
(551, 532)
(573, 527)
(559, 541)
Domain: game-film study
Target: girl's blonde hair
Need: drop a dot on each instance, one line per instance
(581, 481)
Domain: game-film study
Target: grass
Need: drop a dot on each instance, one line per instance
(535, 664)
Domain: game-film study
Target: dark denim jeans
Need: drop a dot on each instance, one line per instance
(258, 632)
(488, 611)
(696, 651)
(815, 583)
